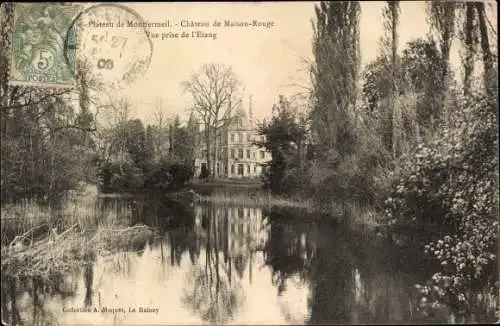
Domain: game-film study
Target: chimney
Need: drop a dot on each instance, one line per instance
(250, 113)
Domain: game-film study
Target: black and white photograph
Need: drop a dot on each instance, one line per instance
(249, 163)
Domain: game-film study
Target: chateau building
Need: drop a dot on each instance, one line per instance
(237, 155)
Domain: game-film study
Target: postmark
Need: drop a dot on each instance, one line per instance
(113, 46)
(38, 56)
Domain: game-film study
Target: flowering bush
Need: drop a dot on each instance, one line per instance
(450, 186)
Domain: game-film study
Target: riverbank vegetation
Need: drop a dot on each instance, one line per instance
(38, 242)
(418, 144)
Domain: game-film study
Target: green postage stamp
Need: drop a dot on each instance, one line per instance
(44, 45)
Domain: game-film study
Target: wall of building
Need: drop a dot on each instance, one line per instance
(237, 156)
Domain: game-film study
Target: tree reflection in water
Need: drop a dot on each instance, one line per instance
(287, 251)
(37, 290)
(210, 291)
(350, 280)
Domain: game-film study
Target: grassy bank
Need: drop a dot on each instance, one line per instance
(40, 242)
(351, 213)
(238, 185)
(254, 198)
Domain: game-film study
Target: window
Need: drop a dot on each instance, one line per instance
(232, 153)
(253, 155)
(262, 154)
(232, 168)
(248, 169)
(241, 212)
(225, 169)
(237, 137)
(240, 169)
(255, 169)
(248, 153)
(240, 153)
(232, 138)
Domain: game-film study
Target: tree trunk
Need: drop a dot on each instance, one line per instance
(214, 173)
(489, 75)
(394, 8)
(207, 141)
(469, 46)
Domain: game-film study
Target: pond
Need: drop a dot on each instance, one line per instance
(227, 265)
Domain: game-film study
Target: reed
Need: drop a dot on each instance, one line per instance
(355, 214)
(20, 218)
(352, 213)
(61, 253)
(41, 241)
(256, 199)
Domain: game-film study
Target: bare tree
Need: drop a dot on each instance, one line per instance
(113, 116)
(217, 94)
(161, 122)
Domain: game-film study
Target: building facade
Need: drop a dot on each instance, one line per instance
(237, 154)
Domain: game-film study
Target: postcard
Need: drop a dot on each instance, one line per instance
(251, 163)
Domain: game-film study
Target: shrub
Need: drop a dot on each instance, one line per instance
(168, 176)
(116, 177)
(181, 174)
(451, 185)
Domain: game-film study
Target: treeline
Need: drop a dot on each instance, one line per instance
(57, 141)
(158, 157)
(417, 142)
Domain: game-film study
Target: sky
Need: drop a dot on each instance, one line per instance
(270, 61)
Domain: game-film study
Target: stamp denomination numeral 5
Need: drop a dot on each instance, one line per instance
(44, 60)
(105, 63)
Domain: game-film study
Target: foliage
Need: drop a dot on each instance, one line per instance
(419, 77)
(180, 174)
(285, 138)
(205, 173)
(121, 176)
(168, 176)
(44, 152)
(450, 185)
(336, 53)
(183, 141)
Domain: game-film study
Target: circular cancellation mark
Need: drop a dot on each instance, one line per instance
(113, 48)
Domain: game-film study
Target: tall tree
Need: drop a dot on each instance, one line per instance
(335, 72)
(160, 131)
(417, 78)
(285, 138)
(391, 14)
(217, 94)
(470, 40)
(442, 16)
(490, 76)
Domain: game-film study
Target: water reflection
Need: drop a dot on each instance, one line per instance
(224, 264)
